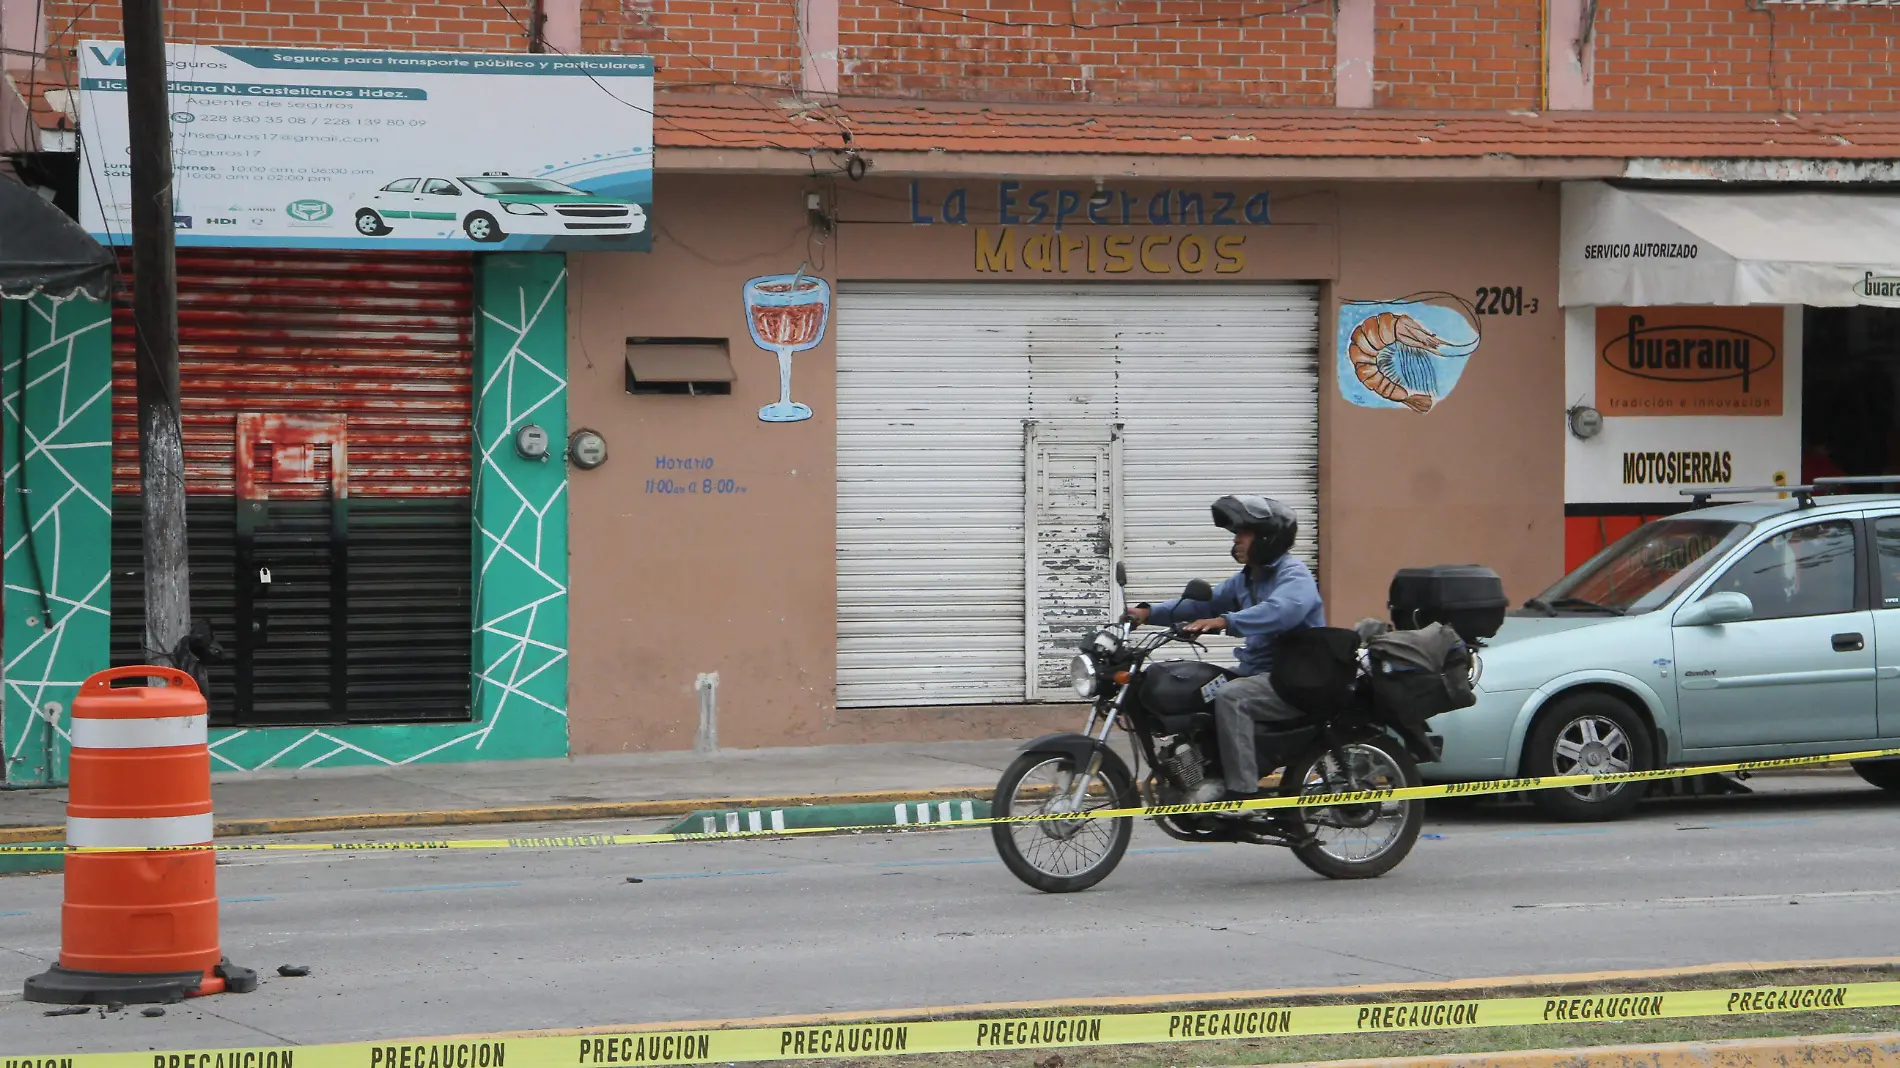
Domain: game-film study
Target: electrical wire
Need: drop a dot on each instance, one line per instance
(1774, 78)
(654, 114)
(713, 261)
(32, 76)
(25, 491)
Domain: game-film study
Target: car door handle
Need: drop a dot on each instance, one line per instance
(1849, 643)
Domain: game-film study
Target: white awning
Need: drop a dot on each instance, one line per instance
(1642, 247)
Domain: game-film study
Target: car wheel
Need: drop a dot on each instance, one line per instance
(1588, 734)
(482, 227)
(1882, 773)
(370, 224)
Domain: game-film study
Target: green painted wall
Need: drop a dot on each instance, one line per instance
(520, 630)
(56, 440)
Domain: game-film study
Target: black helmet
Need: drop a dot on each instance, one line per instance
(1273, 524)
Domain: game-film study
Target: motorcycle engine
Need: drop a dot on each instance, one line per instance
(1184, 765)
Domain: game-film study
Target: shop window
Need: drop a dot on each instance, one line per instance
(690, 366)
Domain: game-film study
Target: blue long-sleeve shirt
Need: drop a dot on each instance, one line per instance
(1258, 608)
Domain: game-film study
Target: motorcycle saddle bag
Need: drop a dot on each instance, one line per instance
(1314, 669)
(1418, 674)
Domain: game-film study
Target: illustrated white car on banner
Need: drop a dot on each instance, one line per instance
(364, 148)
(490, 206)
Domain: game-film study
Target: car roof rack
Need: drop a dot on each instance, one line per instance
(1701, 495)
(1803, 495)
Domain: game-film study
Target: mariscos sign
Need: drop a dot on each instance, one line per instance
(347, 148)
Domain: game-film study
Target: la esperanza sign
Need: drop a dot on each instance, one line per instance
(345, 148)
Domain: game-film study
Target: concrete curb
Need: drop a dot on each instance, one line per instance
(923, 815)
(597, 810)
(1815, 1051)
(35, 863)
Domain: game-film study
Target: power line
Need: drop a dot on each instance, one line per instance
(656, 116)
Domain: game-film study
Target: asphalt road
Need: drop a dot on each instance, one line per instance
(409, 944)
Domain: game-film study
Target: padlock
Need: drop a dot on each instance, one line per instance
(263, 576)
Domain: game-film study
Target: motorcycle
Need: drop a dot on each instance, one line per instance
(1167, 709)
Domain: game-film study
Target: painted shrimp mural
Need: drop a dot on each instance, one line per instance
(1405, 353)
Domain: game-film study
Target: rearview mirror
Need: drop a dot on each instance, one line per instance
(1716, 608)
(1121, 575)
(1198, 590)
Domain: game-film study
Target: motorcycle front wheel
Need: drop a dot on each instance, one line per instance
(1354, 841)
(1062, 856)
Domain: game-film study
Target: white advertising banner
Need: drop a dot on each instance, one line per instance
(347, 148)
(1689, 396)
(1647, 247)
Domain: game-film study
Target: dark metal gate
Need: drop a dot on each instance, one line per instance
(326, 411)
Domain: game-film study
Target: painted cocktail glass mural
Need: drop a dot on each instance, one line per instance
(787, 313)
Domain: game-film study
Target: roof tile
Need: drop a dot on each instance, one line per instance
(722, 121)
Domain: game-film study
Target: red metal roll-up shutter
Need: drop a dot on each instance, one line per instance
(382, 338)
(365, 613)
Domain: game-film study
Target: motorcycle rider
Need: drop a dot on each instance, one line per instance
(1273, 593)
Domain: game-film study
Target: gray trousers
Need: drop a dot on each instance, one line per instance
(1237, 707)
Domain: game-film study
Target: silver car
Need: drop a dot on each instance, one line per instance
(1735, 632)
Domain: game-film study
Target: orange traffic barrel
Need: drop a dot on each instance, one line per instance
(139, 923)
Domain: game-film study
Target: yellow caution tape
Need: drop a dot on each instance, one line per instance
(1356, 797)
(633, 1047)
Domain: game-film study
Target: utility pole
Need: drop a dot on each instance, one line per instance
(155, 319)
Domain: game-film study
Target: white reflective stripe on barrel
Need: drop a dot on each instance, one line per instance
(160, 733)
(151, 831)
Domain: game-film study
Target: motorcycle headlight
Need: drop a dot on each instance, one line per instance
(523, 209)
(1082, 674)
(1477, 668)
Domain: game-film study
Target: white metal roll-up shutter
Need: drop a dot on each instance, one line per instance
(1215, 388)
(932, 393)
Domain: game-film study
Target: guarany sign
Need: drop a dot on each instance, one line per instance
(1674, 361)
(357, 148)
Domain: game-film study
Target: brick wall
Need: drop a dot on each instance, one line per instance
(693, 41)
(1105, 51)
(338, 23)
(1652, 55)
(1458, 54)
(1718, 55)
(701, 43)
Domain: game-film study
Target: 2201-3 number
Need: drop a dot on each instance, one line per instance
(1504, 300)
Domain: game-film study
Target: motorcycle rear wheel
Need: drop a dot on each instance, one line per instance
(1354, 841)
(1062, 856)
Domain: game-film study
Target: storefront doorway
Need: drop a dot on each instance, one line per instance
(1850, 419)
(1001, 446)
(326, 403)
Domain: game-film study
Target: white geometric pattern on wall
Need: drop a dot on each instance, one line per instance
(56, 434)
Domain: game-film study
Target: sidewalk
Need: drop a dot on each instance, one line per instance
(636, 784)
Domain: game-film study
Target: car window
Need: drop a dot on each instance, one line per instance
(401, 185)
(501, 186)
(442, 186)
(1887, 559)
(1645, 568)
(1804, 571)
